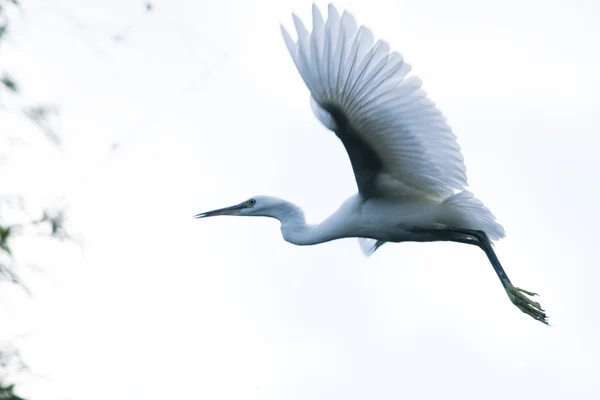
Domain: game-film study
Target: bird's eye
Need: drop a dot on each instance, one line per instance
(252, 202)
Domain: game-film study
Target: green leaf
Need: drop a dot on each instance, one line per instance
(9, 83)
(8, 393)
(5, 233)
(56, 220)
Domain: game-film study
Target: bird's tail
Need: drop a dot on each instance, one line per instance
(474, 215)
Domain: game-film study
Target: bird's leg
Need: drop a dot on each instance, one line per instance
(480, 239)
(516, 295)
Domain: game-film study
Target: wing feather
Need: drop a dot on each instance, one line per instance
(359, 88)
(332, 30)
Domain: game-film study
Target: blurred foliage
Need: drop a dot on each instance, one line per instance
(9, 82)
(15, 219)
(11, 364)
(8, 393)
(41, 115)
(3, 20)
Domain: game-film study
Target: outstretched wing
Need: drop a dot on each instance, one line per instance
(385, 121)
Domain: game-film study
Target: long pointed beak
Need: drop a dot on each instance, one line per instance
(222, 211)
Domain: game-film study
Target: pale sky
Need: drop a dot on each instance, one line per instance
(209, 110)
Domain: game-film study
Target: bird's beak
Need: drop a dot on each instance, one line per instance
(233, 210)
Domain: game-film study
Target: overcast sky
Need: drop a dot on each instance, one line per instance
(208, 109)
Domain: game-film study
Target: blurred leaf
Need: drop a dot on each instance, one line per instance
(10, 363)
(3, 30)
(40, 115)
(8, 393)
(5, 233)
(7, 274)
(9, 83)
(56, 221)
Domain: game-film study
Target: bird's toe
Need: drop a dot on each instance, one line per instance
(532, 308)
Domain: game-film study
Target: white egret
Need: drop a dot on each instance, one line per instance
(407, 164)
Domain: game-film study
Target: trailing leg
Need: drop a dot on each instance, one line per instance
(516, 295)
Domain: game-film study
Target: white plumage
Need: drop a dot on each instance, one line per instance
(407, 163)
(342, 67)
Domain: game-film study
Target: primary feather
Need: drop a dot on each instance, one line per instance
(362, 81)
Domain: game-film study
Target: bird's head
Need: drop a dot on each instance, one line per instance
(257, 206)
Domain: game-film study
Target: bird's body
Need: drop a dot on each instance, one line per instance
(385, 220)
(407, 163)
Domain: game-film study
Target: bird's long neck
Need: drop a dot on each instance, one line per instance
(295, 230)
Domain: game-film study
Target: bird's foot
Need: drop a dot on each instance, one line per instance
(525, 304)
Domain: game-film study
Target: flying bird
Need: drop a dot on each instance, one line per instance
(408, 166)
